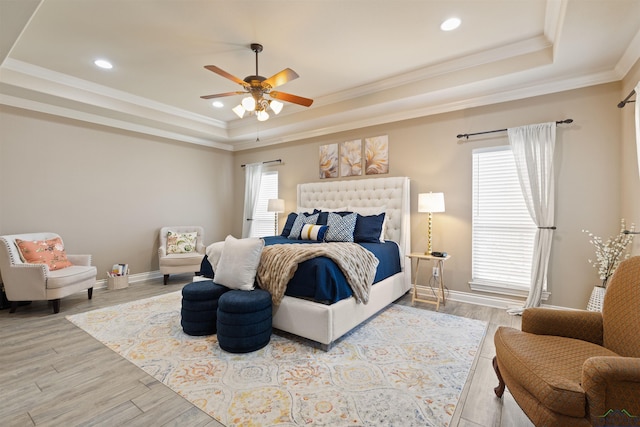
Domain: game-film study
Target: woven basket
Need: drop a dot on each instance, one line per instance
(596, 299)
(118, 282)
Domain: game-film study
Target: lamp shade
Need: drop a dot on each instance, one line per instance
(239, 110)
(275, 205)
(276, 106)
(431, 202)
(249, 103)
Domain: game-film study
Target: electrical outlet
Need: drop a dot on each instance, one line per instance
(435, 272)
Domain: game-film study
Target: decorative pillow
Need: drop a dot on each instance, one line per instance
(239, 263)
(313, 232)
(340, 227)
(368, 228)
(300, 221)
(50, 252)
(323, 216)
(181, 243)
(291, 218)
(372, 210)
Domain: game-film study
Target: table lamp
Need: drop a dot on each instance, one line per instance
(430, 202)
(277, 206)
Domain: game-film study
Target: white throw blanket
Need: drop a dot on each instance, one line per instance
(279, 263)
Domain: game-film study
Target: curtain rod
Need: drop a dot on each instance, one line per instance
(467, 135)
(624, 102)
(268, 161)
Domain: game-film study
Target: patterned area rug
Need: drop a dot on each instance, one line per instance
(405, 367)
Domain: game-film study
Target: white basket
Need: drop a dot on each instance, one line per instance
(596, 299)
(118, 282)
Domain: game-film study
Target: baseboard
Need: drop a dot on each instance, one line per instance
(492, 301)
(485, 300)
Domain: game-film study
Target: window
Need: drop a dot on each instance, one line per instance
(264, 223)
(503, 231)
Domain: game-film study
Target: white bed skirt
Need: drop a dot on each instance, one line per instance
(326, 323)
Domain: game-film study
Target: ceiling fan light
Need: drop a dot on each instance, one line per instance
(249, 103)
(262, 115)
(276, 106)
(239, 110)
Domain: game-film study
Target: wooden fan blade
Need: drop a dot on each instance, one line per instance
(281, 78)
(220, 95)
(291, 98)
(224, 74)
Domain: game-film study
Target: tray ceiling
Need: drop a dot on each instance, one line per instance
(363, 62)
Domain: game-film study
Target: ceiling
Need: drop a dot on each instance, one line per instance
(364, 62)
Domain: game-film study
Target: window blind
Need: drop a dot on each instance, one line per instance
(503, 231)
(263, 221)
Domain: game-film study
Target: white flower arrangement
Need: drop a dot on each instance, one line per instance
(611, 253)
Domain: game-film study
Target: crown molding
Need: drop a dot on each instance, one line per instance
(75, 114)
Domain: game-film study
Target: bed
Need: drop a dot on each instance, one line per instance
(325, 323)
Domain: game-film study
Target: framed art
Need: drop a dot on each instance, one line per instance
(328, 161)
(376, 153)
(351, 158)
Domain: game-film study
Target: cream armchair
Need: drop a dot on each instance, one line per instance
(36, 282)
(176, 263)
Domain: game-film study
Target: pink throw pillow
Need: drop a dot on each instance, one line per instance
(50, 252)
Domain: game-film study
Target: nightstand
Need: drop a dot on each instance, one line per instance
(438, 290)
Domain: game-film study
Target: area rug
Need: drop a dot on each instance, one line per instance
(403, 367)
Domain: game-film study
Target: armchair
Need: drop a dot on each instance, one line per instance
(186, 262)
(24, 281)
(577, 368)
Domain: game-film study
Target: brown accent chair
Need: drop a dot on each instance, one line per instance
(577, 368)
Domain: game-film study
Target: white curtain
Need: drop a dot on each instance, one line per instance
(252, 179)
(533, 148)
(638, 127)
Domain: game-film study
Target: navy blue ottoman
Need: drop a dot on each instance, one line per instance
(200, 307)
(244, 320)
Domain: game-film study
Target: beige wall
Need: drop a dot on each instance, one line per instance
(105, 191)
(630, 189)
(588, 176)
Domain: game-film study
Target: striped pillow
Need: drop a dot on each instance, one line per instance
(300, 221)
(313, 232)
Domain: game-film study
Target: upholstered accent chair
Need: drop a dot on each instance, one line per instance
(24, 281)
(177, 252)
(577, 368)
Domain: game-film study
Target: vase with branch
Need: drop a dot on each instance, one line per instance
(611, 253)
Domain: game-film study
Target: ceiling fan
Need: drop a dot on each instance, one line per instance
(257, 87)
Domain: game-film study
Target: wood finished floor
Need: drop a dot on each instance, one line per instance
(54, 374)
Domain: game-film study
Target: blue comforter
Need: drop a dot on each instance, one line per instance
(321, 280)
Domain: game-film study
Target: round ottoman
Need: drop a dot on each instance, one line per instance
(200, 307)
(244, 320)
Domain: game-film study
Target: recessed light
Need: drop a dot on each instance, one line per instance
(450, 24)
(103, 63)
(217, 104)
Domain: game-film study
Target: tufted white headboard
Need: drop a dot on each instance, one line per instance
(393, 193)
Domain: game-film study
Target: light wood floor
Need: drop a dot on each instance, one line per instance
(54, 374)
